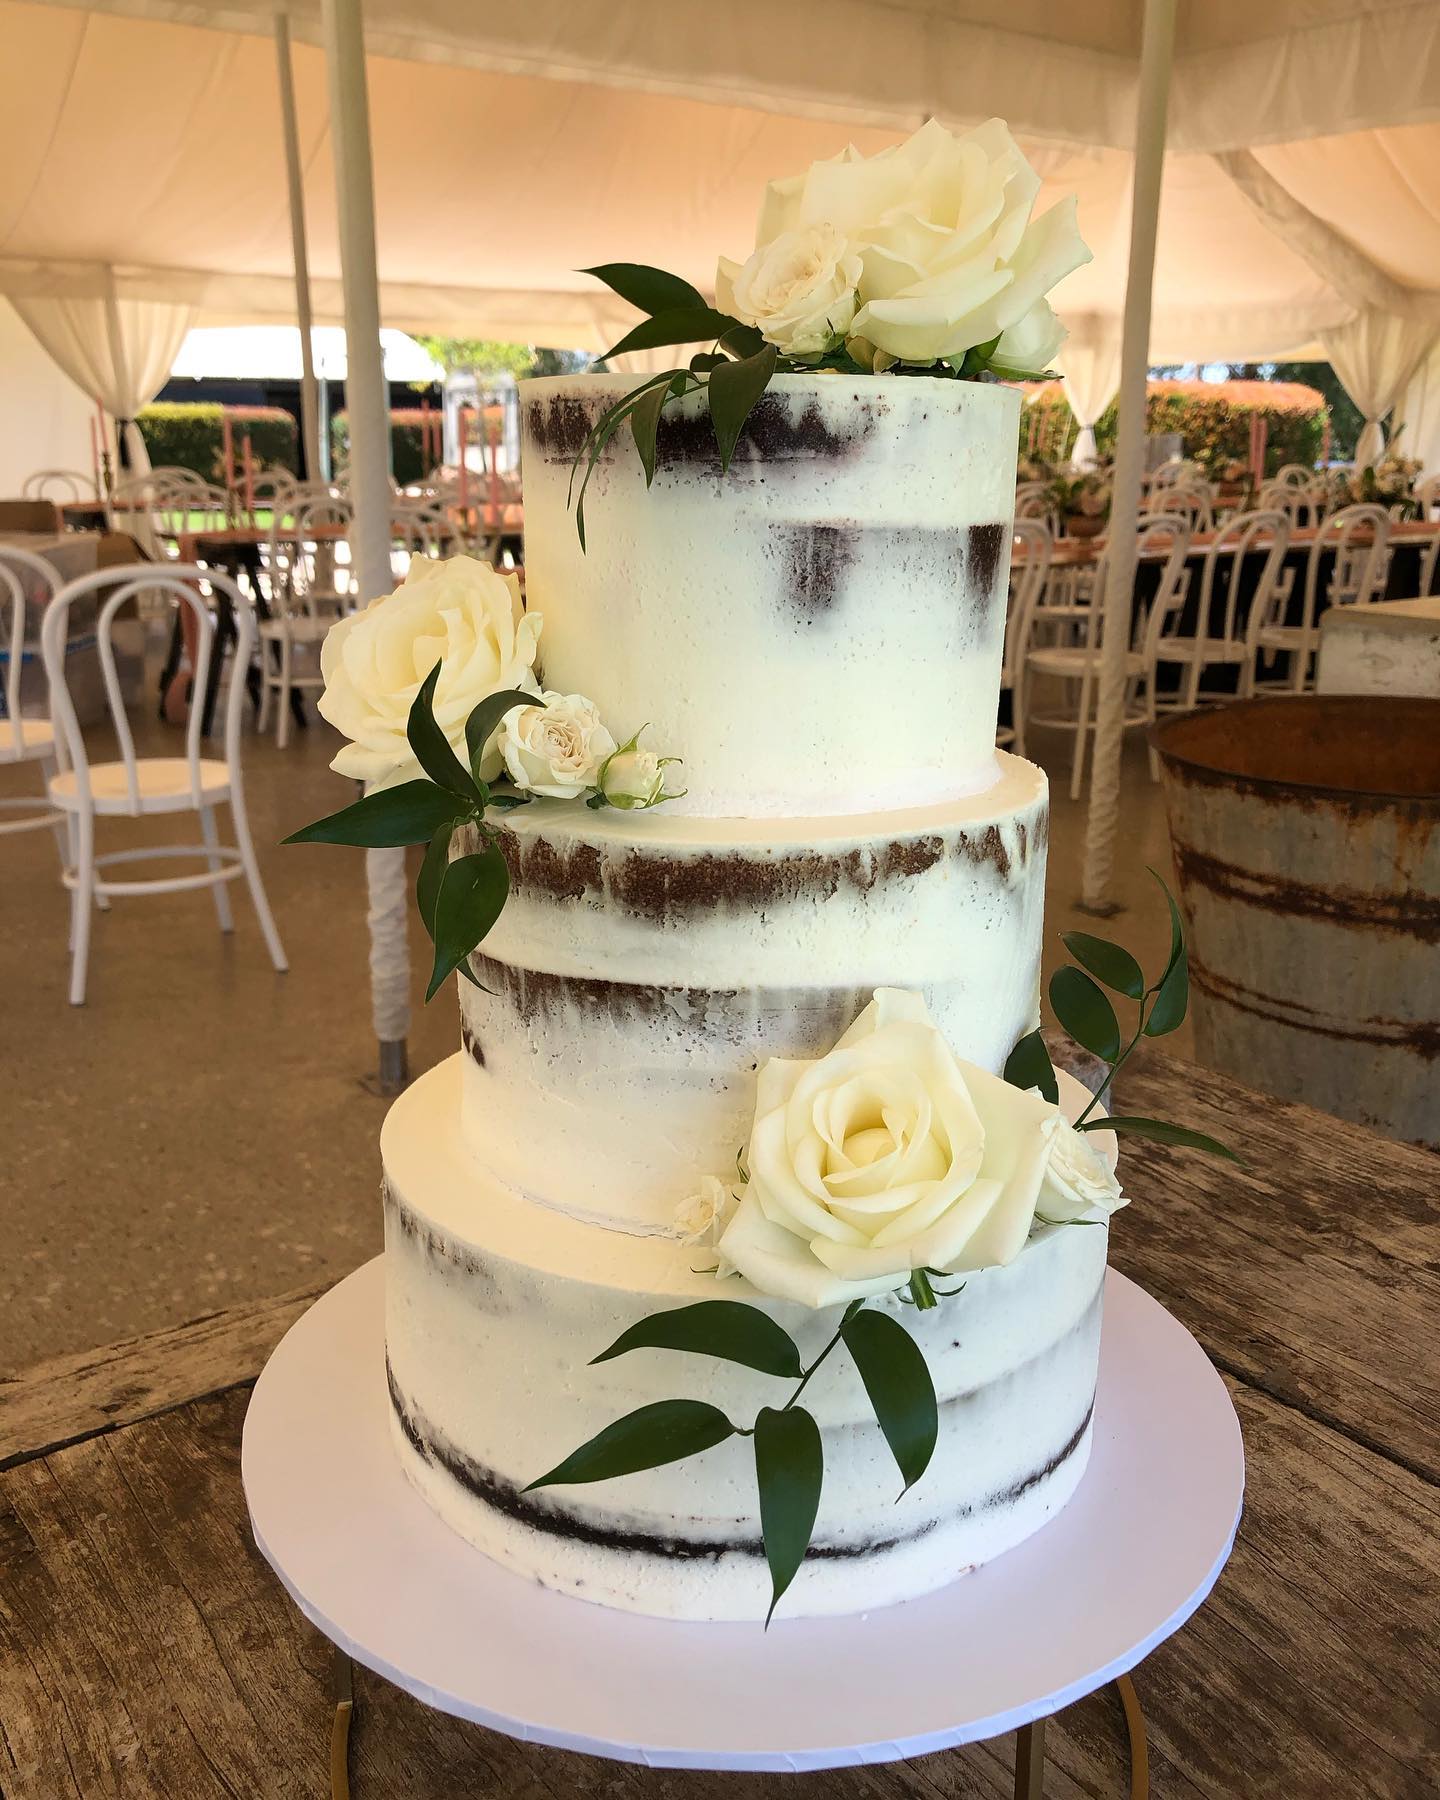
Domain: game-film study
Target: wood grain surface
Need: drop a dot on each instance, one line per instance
(147, 1650)
(72, 1397)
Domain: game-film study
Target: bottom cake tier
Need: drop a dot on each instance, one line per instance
(495, 1306)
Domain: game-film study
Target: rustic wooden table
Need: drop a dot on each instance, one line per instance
(145, 1648)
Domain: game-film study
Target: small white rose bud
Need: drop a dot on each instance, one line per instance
(633, 778)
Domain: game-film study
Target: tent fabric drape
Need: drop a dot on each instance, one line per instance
(1091, 368)
(1375, 357)
(1419, 413)
(118, 351)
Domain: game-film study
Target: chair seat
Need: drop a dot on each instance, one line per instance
(163, 783)
(37, 740)
(299, 631)
(1072, 660)
(1204, 650)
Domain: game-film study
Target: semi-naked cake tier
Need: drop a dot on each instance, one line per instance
(817, 630)
(495, 1306)
(645, 965)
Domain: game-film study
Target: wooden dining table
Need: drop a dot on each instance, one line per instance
(147, 1649)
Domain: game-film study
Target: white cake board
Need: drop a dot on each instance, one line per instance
(1120, 1568)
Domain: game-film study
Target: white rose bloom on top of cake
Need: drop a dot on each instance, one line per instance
(935, 242)
(459, 613)
(889, 1155)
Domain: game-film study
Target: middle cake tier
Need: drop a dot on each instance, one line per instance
(646, 965)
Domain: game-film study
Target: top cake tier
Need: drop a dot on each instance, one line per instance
(819, 631)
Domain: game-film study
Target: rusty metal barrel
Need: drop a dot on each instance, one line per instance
(1306, 833)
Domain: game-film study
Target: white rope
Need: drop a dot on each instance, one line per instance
(1118, 597)
(388, 919)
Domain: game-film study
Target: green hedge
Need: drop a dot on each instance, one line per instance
(408, 462)
(180, 435)
(1212, 418)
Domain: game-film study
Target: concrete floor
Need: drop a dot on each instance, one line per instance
(201, 1131)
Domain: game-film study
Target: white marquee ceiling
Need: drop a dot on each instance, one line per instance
(516, 145)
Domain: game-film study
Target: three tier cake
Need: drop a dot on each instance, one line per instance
(817, 633)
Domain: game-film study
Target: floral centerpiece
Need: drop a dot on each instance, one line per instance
(1081, 501)
(1389, 483)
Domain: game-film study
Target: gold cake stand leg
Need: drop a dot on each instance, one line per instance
(1030, 1749)
(342, 1687)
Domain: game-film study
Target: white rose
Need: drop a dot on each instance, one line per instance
(1078, 1179)
(555, 749)
(701, 1220)
(799, 289)
(887, 1155)
(1029, 346)
(633, 778)
(950, 257)
(458, 613)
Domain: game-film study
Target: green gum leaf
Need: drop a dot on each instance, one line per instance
(898, 1382)
(1082, 1009)
(408, 814)
(472, 894)
(652, 290)
(1162, 1133)
(1028, 1066)
(733, 391)
(664, 1432)
(432, 747)
(724, 1328)
(676, 325)
(789, 1471)
(432, 873)
(1107, 962)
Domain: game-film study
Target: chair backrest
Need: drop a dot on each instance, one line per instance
(1190, 500)
(191, 506)
(1358, 539)
(58, 484)
(425, 530)
(297, 561)
(272, 491)
(1294, 475)
(179, 582)
(1179, 469)
(1029, 572)
(1264, 532)
(1427, 498)
(1161, 539)
(20, 570)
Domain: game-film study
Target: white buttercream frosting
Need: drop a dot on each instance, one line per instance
(494, 1309)
(817, 631)
(646, 965)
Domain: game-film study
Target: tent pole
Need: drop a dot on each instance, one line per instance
(1157, 46)
(367, 402)
(309, 398)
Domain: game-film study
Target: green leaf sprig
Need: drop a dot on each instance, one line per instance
(1082, 1007)
(789, 1458)
(732, 374)
(460, 900)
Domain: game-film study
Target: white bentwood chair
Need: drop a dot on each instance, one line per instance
(59, 485)
(1029, 573)
(25, 740)
(139, 787)
(1359, 539)
(1160, 539)
(1222, 572)
(305, 601)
